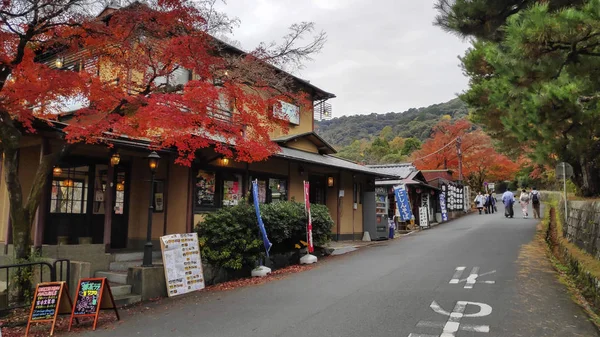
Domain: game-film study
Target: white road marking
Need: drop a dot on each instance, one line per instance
(471, 279)
(452, 326)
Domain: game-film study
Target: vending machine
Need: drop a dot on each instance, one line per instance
(375, 213)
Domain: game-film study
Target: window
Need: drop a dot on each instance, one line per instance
(68, 196)
(278, 189)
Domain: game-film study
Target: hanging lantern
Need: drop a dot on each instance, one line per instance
(115, 159)
(59, 62)
(121, 186)
(225, 161)
(56, 171)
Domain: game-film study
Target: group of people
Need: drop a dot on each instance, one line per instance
(486, 202)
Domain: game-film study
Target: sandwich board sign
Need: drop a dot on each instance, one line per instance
(50, 300)
(93, 295)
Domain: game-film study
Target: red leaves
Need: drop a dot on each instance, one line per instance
(277, 274)
(128, 73)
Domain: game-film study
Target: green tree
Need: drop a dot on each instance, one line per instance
(410, 146)
(534, 72)
(387, 133)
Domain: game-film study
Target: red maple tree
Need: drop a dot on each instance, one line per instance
(118, 73)
(481, 162)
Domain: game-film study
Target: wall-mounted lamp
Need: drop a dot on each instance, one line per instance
(69, 183)
(59, 62)
(115, 159)
(225, 161)
(330, 181)
(56, 171)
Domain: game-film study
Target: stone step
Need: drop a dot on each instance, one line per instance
(124, 300)
(135, 256)
(119, 289)
(113, 276)
(125, 265)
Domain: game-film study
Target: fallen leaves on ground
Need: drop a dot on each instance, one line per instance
(277, 274)
(15, 324)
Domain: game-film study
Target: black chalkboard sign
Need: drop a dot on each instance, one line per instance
(204, 189)
(92, 295)
(50, 300)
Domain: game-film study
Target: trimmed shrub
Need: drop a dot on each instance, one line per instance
(230, 237)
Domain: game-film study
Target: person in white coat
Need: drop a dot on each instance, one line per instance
(479, 201)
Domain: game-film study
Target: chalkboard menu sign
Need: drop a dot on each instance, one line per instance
(204, 189)
(50, 300)
(93, 294)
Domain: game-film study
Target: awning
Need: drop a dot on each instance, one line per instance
(326, 160)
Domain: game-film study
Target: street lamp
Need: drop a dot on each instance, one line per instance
(153, 159)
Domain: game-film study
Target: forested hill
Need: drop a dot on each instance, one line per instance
(416, 123)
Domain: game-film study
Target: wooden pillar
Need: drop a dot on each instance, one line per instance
(9, 224)
(166, 195)
(109, 204)
(42, 211)
(189, 226)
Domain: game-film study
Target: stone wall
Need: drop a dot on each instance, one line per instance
(583, 225)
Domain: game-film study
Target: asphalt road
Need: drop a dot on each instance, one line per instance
(392, 289)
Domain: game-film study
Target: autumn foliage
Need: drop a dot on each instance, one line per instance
(481, 162)
(151, 71)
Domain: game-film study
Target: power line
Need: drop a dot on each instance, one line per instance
(431, 154)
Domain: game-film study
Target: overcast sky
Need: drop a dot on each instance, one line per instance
(381, 56)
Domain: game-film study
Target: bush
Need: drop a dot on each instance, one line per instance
(230, 237)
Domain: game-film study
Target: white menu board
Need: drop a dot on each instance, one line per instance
(182, 263)
(423, 216)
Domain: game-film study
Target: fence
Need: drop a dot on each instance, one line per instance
(12, 297)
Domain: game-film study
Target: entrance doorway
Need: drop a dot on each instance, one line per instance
(318, 189)
(77, 205)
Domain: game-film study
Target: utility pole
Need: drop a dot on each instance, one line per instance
(459, 152)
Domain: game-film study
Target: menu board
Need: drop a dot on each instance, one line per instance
(205, 189)
(50, 300)
(86, 302)
(46, 301)
(93, 294)
(183, 266)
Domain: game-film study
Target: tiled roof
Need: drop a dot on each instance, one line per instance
(401, 171)
(327, 160)
(434, 174)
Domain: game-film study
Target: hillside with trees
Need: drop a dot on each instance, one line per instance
(415, 123)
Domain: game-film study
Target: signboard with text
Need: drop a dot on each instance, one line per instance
(287, 111)
(182, 263)
(93, 295)
(49, 300)
(403, 203)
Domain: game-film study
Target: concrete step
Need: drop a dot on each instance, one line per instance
(135, 256)
(125, 265)
(113, 276)
(119, 289)
(124, 300)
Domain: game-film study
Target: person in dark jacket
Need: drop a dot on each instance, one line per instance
(490, 202)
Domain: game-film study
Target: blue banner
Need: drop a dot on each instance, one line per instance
(261, 225)
(403, 204)
(443, 206)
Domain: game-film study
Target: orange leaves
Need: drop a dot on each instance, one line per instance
(479, 158)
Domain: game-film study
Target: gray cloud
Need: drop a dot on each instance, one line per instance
(381, 56)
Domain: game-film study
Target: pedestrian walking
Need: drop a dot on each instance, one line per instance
(490, 203)
(508, 199)
(535, 203)
(480, 201)
(524, 200)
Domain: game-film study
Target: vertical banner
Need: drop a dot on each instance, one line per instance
(403, 203)
(261, 225)
(309, 236)
(443, 209)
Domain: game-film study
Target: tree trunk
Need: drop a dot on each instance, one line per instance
(587, 178)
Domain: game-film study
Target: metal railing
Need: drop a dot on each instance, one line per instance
(11, 294)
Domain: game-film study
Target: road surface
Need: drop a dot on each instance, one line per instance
(503, 286)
